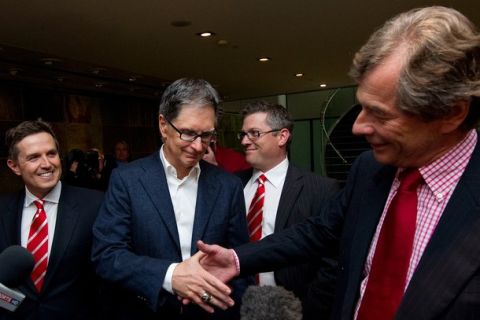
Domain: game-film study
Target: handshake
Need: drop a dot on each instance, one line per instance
(202, 278)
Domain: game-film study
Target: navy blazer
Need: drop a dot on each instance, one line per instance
(446, 283)
(303, 195)
(136, 237)
(70, 287)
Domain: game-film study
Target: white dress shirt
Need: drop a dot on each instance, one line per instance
(183, 193)
(273, 191)
(29, 209)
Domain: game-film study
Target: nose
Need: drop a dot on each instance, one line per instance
(45, 162)
(362, 126)
(198, 145)
(245, 141)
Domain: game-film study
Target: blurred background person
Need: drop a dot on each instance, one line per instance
(228, 159)
(121, 156)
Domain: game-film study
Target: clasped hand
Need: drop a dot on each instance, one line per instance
(202, 278)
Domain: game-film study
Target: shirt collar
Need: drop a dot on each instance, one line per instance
(53, 196)
(171, 171)
(276, 175)
(443, 174)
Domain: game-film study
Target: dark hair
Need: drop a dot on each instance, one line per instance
(277, 115)
(188, 91)
(441, 64)
(27, 128)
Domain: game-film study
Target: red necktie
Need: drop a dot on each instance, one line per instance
(388, 274)
(38, 245)
(255, 212)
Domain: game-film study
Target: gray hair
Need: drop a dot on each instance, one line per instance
(187, 91)
(277, 115)
(442, 63)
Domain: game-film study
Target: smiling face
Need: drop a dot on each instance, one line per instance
(38, 163)
(184, 155)
(269, 149)
(397, 138)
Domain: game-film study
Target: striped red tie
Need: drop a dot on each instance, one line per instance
(255, 212)
(38, 245)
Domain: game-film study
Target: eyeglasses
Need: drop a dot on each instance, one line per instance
(190, 135)
(254, 134)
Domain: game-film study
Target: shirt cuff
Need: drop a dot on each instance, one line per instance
(167, 282)
(237, 261)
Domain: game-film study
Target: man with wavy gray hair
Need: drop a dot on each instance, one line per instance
(407, 222)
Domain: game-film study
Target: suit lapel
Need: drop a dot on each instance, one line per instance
(154, 182)
(208, 190)
(453, 254)
(368, 212)
(10, 228)
(10, 219)
(67, 218)
(292, 187)
(244, 176)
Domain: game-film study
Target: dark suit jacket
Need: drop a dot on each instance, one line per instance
(70, 287)
(303, 195)
(136, 236)
(446, 283)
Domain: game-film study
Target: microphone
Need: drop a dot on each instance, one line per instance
(270, 303)
(16, 265)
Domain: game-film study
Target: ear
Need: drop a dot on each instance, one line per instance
(14, 167)
(455, 120)
(162, 125)
(283, 135)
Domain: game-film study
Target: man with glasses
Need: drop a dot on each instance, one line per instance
(291, 195)
(157, 207)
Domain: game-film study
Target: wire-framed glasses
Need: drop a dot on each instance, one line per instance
(254, 134)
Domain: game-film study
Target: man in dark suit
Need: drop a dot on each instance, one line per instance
(419, 87)
(68, 287)
(291, 196)
(156, 208)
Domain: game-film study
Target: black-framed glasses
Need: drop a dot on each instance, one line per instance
(190, 135)
(254, 134)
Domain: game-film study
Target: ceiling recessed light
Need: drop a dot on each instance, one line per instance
(97, 71)
(264, 59)
(14, 71)
(323, 85)
(222, 43)
(299, 75)
(206, 34)
(50, 61)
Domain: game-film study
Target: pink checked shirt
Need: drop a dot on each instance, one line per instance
(441, 177)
